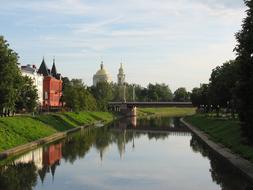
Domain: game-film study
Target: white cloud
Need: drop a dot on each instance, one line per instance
(147, 33)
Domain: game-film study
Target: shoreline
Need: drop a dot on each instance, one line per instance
(35, 144)
(41, 129)
(244, 166)
(60, 134)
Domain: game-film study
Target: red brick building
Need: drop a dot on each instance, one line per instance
(52, 87)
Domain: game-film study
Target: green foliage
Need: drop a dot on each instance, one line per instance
(27, 98)
(16, 92)
(159, 93)
(76, 96)
(19, 177)
(223, 83)
(244, 50)
(103, 93)
(199, 96)
(9, 76)
(181, 95)
(226, 132)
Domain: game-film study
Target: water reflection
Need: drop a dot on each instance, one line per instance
(31, 169)
(222, 172)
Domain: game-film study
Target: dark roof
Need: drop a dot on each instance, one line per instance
(43, 69)
(53, 70)
(47, 72)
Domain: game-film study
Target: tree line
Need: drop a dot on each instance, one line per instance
(78, 96)
(230, 86)
(19, 94)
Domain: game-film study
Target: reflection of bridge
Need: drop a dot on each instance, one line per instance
(155, 129)
(129, 108)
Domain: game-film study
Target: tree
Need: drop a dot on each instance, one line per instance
(244, 50)
(199, 96)
(28, 96)
(10, 77)
(76, 96)
(159, 92)
(223, 82)
(181, 95)
(103, 93)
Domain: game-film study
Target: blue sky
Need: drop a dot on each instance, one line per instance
(177, 42)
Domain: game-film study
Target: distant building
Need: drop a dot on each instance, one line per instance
(31, 71)
(52, 86)
(121, 83)
(101, 75)
(121, 75)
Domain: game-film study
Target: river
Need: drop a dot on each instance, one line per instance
(151, 153)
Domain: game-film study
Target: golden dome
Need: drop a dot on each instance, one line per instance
(102, 71)
(101, 75)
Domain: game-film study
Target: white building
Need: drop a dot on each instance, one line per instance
(101, 75)
(31, 71)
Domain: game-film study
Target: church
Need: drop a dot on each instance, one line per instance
(103, 76)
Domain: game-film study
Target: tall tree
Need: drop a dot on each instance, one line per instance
(10, 77)
(223, 84)
(244, 50)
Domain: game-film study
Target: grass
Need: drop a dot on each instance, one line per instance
(19, 130)
(226, 132)
(171, 111)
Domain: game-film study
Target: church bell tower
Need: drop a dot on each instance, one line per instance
(121, 76)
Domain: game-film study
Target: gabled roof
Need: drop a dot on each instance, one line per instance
(43, 69)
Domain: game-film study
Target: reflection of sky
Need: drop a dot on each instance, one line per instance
(153, 164)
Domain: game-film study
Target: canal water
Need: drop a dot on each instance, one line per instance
(150, 154)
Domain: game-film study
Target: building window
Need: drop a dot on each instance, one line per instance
(46, 95)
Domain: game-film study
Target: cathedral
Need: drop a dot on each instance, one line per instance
(103, 76)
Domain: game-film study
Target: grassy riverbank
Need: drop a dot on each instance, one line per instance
(226, 132)
(19, 130)
(171, 111)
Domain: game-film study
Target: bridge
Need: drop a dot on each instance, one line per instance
(130, 108)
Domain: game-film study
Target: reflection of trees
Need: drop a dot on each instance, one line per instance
(18, 177)
(223, 173)
(78, 144)
(75, 146)
(103, 140)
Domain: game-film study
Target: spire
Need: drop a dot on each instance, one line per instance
(43, 68)
(53, 70)
(121, 71)
(121, 75)
(101, 65)
(42, 174)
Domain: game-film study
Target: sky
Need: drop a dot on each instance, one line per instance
(176, 42)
